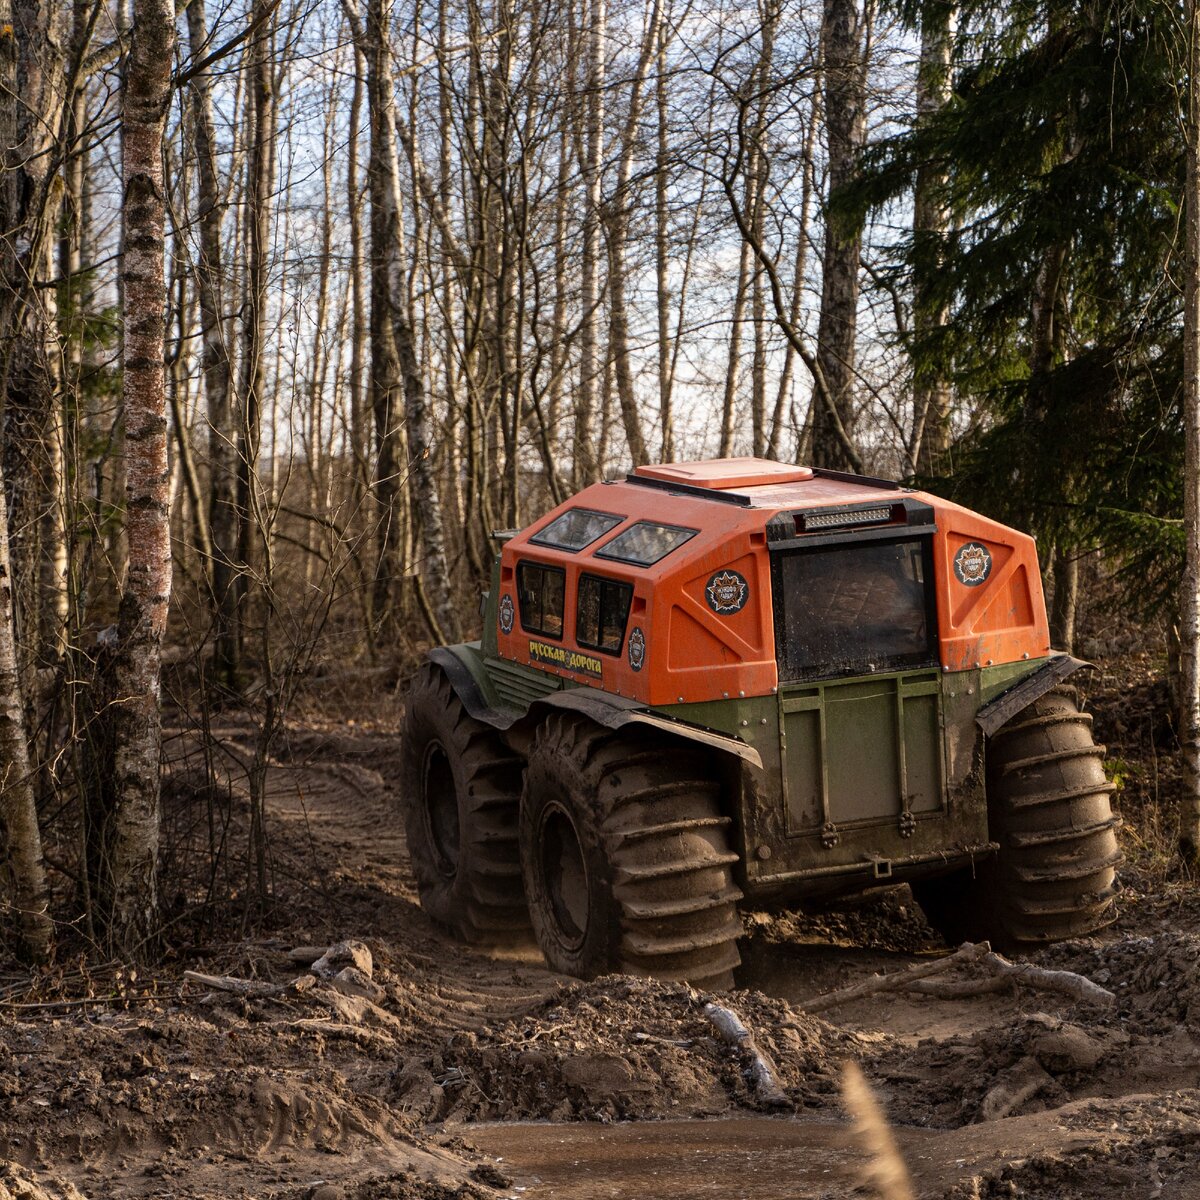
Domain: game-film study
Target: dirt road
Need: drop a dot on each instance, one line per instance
(453, 1073)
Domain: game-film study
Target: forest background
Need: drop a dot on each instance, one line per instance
(300, 300)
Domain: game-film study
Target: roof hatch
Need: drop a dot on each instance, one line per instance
(722, 474)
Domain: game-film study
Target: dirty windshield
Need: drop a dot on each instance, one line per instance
(852, 608)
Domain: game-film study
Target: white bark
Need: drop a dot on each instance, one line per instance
(18, 812)
(137, 716)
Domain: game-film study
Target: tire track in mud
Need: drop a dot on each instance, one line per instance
(332, 804)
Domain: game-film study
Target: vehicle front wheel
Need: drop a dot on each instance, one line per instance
(626, 856)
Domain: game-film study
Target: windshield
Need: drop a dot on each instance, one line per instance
(853, 608)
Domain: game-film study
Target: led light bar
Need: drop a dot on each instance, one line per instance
(840, 520)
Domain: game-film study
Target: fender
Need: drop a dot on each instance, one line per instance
(998, 712)
(613, 712)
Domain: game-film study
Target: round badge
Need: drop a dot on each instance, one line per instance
(637, 649)
(972, 564)
(506, 613)
(727, 592)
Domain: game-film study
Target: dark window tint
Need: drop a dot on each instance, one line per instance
(842, 610)
(540, 594)
(645, 543)
(576, 528)
(601, 613)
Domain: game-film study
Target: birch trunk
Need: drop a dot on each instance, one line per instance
(18, 812)
(1189, 598)
(137, 718)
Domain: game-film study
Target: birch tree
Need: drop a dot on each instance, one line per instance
(18, 810)
(137, 716)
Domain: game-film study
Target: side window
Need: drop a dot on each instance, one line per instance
(540, 594)
(601, 613)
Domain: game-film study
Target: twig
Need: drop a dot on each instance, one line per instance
(83, 1001)
(352, 1033)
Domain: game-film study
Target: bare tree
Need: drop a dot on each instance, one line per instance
(137, 716)
(18, 810)
(211, 286)
(845, 124)
(1189, 596)
(591, 369)
(930, 438)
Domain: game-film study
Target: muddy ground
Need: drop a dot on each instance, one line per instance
(429, 1070)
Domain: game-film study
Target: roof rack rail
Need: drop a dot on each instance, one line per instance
(691, 489)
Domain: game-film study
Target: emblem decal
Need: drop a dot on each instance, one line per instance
(972, 564)
(506, 613)
(727, 592)
(637, 650)
(569, 660)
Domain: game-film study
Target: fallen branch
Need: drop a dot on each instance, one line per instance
(968, 952)
(1079, 987)
(761, 1071)
(961, 989)
(239, 987)
(1001, 973)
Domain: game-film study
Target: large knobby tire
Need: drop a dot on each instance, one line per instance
(1049, 808)
(626, 856)
(460, 792)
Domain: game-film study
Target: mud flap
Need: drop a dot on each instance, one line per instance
(997, 713)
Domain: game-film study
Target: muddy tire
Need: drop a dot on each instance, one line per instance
(460, 790)
(1049, 809)
(627, 857)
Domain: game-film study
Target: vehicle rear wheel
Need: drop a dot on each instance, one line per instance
(1049, 808)
(460, 789)
(626, 856)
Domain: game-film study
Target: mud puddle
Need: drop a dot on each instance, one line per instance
(1076, 1153)
(739, 1158)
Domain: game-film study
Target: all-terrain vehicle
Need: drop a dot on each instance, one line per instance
(741, 680)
